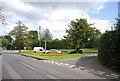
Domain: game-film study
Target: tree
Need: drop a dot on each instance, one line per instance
(117, 24)
(93, 42)
(4, 42)
(33, 37)
(47, 35)
(20, 33)
(79, 33)
(2, 18)
(9, 38)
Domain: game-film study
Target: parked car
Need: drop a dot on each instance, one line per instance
(79, 51)
(55, 51)
(39, 49)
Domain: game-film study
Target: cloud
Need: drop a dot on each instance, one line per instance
(102, 25)
(52, 15)
(97, 9)
(5, 29)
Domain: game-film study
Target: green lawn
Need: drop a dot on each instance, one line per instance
(84, 50)
(65, 56)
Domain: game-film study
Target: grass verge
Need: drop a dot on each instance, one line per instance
(65, 56)
(87, 50)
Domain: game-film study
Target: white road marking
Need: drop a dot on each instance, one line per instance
(67, 64)
(81, 67)
(52, 62)
(50, 76)
(108, 75)
(27, 66)
(45, 61)
(114, 75)
(100, 72)
(72, 66)
(61, 63)
(56, 62)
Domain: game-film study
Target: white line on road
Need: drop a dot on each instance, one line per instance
(27, 65)
(50, 76)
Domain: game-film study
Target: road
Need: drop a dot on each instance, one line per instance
(15, 66)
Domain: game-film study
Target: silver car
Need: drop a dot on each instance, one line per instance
(55, 51)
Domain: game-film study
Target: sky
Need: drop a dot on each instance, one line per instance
(56, 15)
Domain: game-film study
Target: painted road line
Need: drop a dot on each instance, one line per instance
(50, 76)
(81, 67)
(56, 62)
(67, 64)
(28, 66)
(72, 66)
(44, 61)
(108, 75)
(52, 62)
(87, 71)
(100, 72)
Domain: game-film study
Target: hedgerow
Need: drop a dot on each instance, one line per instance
(108, 53)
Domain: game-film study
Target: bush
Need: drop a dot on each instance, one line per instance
(108, 52)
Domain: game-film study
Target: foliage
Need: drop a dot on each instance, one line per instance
(94, 40)
(117, 24)
(79, 33)
(109, 50)
(4, 42)
(9, 38)
(65, 56)
(55, 44)
(2, 18)
(47, 35)
(20, 34)
(33, 37)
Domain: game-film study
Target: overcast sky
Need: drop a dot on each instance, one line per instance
(57, 15)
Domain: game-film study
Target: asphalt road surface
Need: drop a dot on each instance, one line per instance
(15, 66)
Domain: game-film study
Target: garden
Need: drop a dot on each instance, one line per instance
(58, 56)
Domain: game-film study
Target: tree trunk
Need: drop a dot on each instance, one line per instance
(19, 50)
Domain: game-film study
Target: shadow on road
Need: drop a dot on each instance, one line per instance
(92, 62)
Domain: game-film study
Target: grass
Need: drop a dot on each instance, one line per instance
(28, 51)
(85, 50)
(65, 56)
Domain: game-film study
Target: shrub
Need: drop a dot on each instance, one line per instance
(109, 48)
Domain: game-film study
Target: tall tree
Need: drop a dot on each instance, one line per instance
(93, 42)
(20, 33)
(79, 33)
(33, 37)
(4, 42)
(9, 38)
(2, 18)
(47, 34)
(117, 24)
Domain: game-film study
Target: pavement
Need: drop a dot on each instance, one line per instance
(15, 66)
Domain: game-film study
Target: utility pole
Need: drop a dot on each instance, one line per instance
(40, 36)
(45, 41)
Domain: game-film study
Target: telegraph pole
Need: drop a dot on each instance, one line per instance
(45, 44)
(45, 41)
(40, 36)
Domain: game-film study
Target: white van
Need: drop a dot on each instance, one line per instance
(39, 49)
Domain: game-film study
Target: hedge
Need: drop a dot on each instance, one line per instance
(108, 52)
